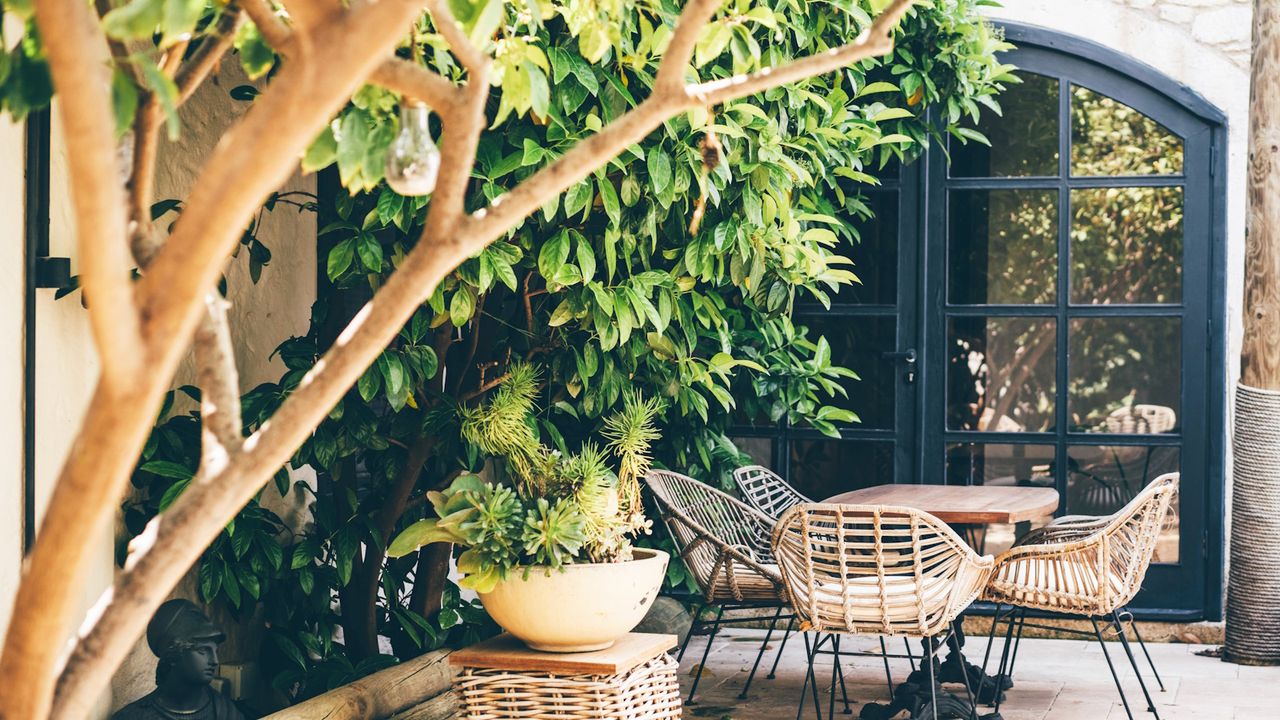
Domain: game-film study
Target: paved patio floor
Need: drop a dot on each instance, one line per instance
(1055, 680)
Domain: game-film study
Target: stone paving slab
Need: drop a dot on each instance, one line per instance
(1055, 680)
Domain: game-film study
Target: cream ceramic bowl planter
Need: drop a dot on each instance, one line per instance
(580, 608)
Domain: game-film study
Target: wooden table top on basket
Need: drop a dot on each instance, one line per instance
(961, 504)
(505, 652)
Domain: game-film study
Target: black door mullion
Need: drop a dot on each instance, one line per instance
(1062, 416)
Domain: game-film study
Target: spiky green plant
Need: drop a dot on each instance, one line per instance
(564, 507)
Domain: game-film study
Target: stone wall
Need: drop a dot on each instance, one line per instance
(1220, 24)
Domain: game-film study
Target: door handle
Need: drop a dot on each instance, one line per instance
(906, 356)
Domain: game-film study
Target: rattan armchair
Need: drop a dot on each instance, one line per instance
(877, 570)
(1084, 567)
(724, 544)
(766, 490)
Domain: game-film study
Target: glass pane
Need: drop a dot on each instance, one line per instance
(822, 468)
(1102, 479)
(1000, 374)
(1024, 139)
(999, 464)
(1003, 247)
(1126, 374)
(1126, 245)
(1111, 138)
(875, 253)
(858, 343)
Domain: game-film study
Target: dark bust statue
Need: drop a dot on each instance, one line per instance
(186, 643)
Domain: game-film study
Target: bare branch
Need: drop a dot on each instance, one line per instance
(467, 54)
(77, 52)
(221, 426)
(874, 41)
(307, 14)
(418, 83)
(211, 51)
(272, 28)
(675, 60)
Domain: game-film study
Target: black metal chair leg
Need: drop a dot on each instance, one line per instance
(968, 690)
(756, 666)
(693, 629)
(888, 674)
(933, 680)
(810, 681)
(715, 628)
(986, 656)
(911, 658)
(1004, 659)
(1133, 662)
(835, 669)
(1017, 641)
(844, 691)
(773, 671)
(1142, 644)
(1114, 675)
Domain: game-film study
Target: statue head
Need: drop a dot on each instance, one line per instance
(186, 643)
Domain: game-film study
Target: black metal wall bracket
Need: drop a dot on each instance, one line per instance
(52, 272)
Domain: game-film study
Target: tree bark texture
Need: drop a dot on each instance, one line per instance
(1260, 353)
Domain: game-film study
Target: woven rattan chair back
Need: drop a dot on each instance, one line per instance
(875, 569)
(724, 542)
(766, 490)
(1089, 568)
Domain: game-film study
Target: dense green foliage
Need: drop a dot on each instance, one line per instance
(608, 289)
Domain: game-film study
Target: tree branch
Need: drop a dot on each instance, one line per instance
(875, 40)
(675, 60)
(210, 52)
(222, 430)
(273, 29)
(78, 62)
(418, 83)
(253, 158)
(470, 57)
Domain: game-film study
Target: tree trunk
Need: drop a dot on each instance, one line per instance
(1253, 587)
(1260, 353)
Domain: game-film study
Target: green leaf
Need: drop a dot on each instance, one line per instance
(461, 306)
(256, 56)
(370, 252)
(166, 468)
(135, 20)
(166, 92)
(659, 168)
(172, 494)
(586, 259)
(340, 258)
(124, 101)
(369, 383)
(554, 254)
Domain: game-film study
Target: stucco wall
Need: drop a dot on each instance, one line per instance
(11, 360)
(1202, 44)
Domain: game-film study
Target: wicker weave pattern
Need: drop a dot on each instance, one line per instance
(648, 692)
(1087, 566)
(876, 569)
(766, 490)
(722, 541)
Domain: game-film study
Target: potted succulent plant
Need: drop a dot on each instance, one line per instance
(548, 545)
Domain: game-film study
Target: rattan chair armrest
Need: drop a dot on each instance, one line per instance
(1061, 533)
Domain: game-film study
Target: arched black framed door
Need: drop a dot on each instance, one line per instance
(1073, 302)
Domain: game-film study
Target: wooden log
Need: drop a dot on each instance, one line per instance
(380, 695)
(1260, 352)
(441, 707)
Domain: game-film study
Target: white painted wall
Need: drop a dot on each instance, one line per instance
(12, 198)
(1204, 45)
